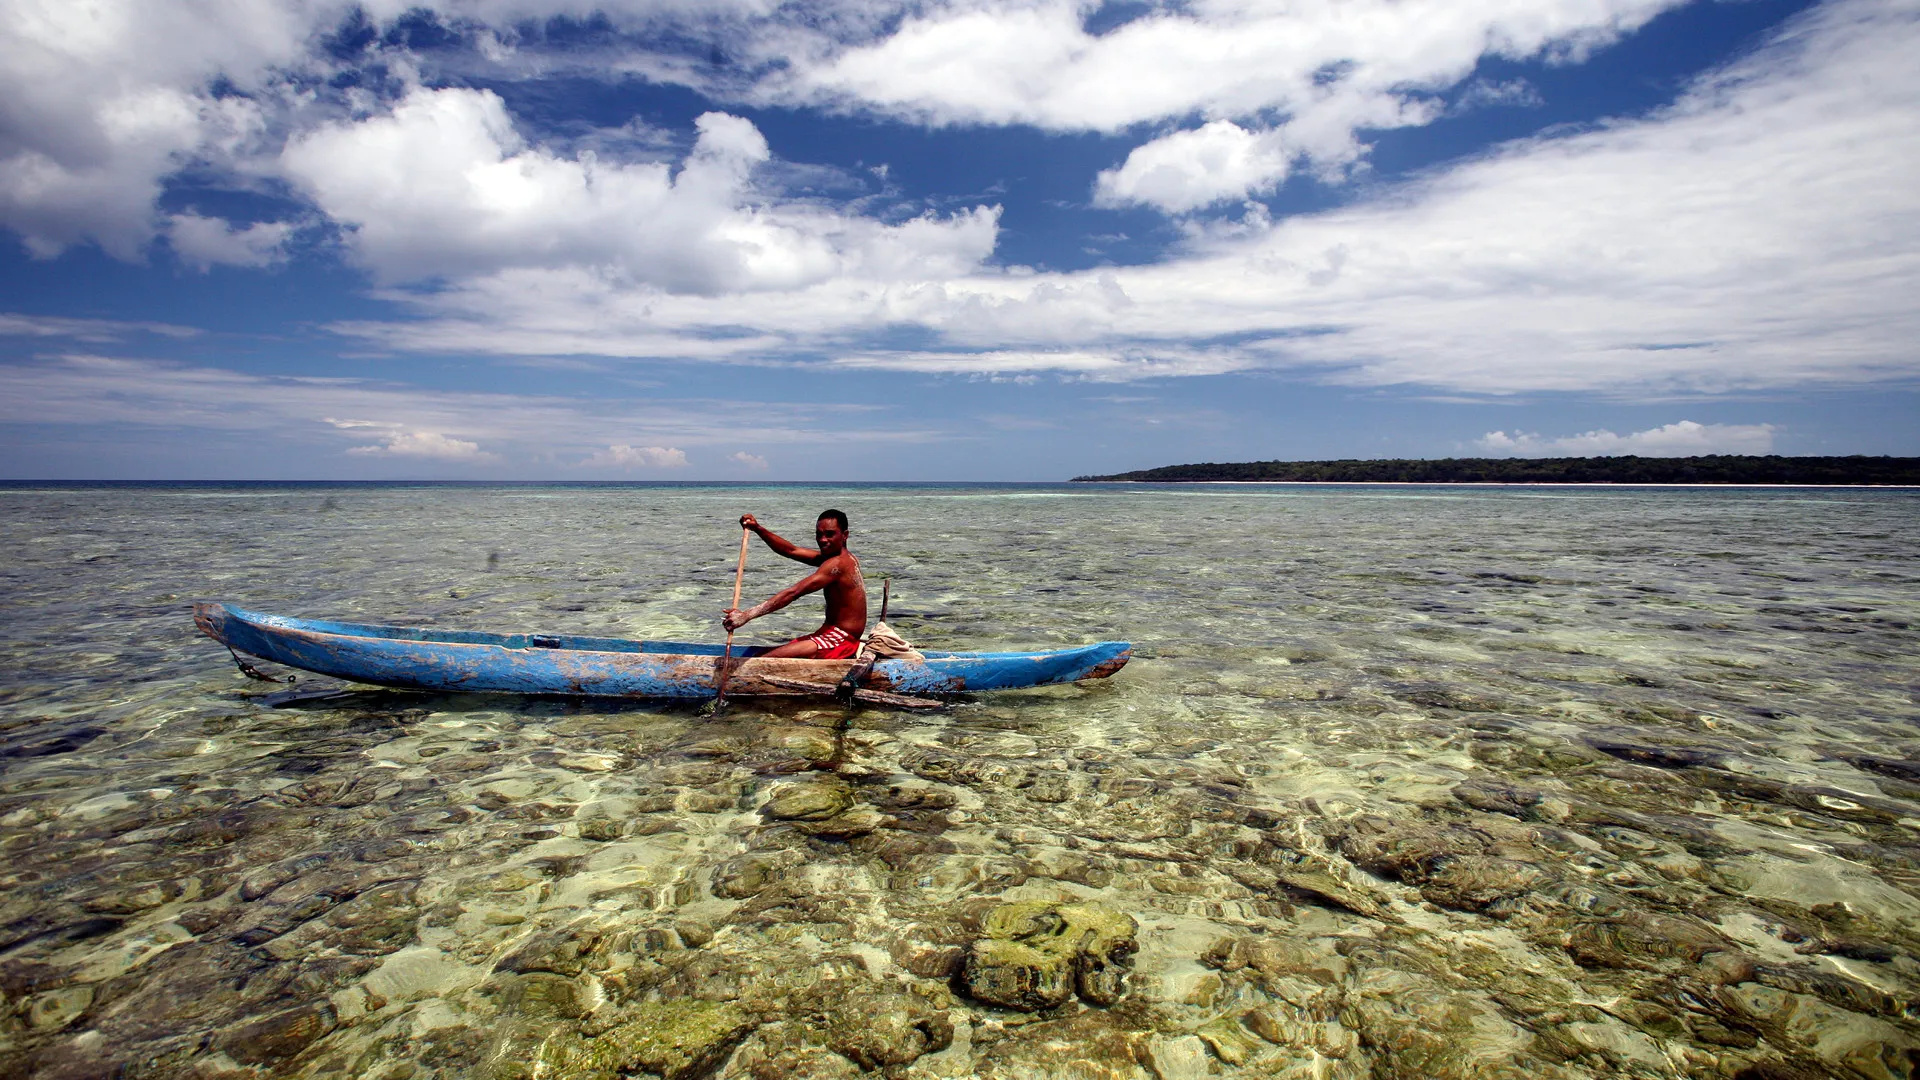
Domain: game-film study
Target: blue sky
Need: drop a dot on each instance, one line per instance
(977, 239)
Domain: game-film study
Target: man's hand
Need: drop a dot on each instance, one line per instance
(748, 521)
(733, 619)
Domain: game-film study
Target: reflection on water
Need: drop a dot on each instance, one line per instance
(1436, 783)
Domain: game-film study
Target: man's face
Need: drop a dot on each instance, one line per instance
(828, 536)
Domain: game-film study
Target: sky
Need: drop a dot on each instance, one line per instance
(948, 240)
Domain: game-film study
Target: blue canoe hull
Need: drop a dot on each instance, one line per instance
(455, 660)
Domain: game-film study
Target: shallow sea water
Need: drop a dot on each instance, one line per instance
(1401, 782)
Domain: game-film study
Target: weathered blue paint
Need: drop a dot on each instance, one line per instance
(428, 659)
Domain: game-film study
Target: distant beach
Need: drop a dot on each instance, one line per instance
(1707, 470)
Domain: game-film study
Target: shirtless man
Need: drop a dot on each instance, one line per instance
(838, 572)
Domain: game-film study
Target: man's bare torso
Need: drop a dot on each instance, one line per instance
(846, 595)
(836, 576)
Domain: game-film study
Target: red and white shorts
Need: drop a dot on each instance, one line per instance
(833, 643)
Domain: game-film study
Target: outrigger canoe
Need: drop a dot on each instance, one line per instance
(460, 660)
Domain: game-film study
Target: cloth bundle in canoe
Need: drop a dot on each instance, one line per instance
(887, 645)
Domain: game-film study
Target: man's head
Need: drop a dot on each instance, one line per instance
(830, 532)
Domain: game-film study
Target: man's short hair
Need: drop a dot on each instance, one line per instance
(835, 515)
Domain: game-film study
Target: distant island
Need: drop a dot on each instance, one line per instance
(1708, 469)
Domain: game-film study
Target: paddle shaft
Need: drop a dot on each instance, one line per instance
(726, 658)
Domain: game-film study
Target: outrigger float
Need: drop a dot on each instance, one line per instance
(414, 658)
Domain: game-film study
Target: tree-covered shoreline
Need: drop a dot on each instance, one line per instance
(1707, 469)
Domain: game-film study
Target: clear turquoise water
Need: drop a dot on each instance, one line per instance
(1536, 781)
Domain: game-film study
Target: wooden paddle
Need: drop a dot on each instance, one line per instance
(726, 658)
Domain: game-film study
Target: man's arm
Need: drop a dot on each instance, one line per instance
(734, 618)
(779, 544)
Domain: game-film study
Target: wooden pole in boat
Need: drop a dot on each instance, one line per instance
(726, 658)
(851, 681)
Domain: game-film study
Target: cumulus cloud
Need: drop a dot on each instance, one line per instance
(202, 242)
(1683, 439)
(623, 456)
(1191, 169)
(1035, 62)
(1755, 234)
(750, 461)
(101, 101)
(426, 444)
(444, 184)
(1329, 72)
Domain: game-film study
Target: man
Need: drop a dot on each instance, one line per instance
(837, 573)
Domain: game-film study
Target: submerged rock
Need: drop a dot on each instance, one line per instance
(856, 821)
(1644, 939)
(1017, 975)
(1229, 1041)
(1477, 882)
(1091, 1045)
(1181, 1057)
(1320, 886)
(602, 829)
(280, 1035)
(56, 1009)
(879, 1030)
(544, 996)
(1036, 955)
(677, 1040)
(1498, 798)
(561, 952)
(808, 800)
(1409, 852)
(748, 875)
(1426, 1030)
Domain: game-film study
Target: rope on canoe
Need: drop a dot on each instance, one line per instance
(252, 672)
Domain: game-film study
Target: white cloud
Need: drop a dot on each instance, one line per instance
(202, 242)
(1110, 365)
(1756, 234)
(100, 101)
(1327, 71)
(426, 444)
(88, 330)
(1512, 93)
(751, 461)
(1683, 439)
(444, 184)
(320, 416)
(1034, 62)
(638, 457)
(1191, 169)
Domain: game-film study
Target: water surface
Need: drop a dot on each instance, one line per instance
(1401, 782)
